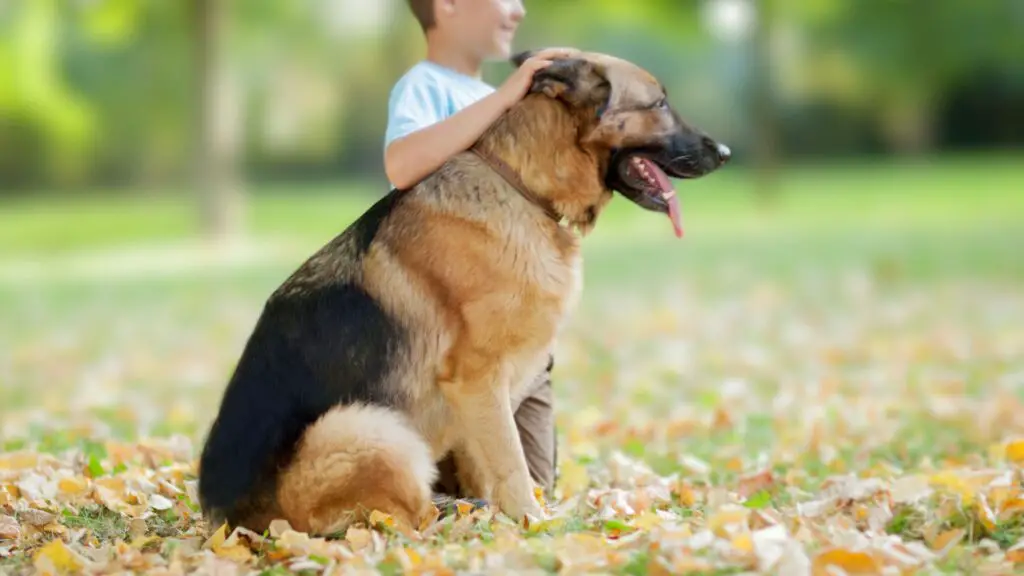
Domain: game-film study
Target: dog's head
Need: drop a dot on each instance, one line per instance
(625, 121)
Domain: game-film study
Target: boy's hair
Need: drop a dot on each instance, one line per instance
(423, 10)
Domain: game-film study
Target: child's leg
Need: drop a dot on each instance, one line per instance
(535, 420)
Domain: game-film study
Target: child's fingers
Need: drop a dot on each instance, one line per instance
(537, 63)
(550, 53)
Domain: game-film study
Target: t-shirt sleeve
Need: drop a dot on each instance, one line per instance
(416, 101)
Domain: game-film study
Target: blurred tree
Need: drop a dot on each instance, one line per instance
(216, 123)
(900, 59)
(46, 129)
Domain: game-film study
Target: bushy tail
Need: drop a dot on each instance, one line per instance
(353, 460)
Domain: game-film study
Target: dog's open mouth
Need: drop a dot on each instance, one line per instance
(647, 184)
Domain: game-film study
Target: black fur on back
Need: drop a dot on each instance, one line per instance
(320, 341)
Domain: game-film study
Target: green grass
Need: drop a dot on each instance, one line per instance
(938, 195)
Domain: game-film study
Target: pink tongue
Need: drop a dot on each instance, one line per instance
(668, 193)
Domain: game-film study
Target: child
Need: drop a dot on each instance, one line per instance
(440, 107)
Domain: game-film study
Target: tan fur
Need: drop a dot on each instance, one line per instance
(483, 287)
(352, 461)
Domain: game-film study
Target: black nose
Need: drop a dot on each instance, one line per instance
(716, 150)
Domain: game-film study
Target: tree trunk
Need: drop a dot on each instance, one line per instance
(216, 121)
(765, 140)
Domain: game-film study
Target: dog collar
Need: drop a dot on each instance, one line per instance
(510, 176)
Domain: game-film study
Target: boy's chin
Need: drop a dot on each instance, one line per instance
(501, 50)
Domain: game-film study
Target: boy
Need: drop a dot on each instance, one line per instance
(439, 108)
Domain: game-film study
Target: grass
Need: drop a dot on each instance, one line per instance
(866, 328)
(933, 194)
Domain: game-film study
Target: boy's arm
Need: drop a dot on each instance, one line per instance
(412, 157)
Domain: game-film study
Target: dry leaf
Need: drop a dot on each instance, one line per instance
(9, 528)
(73, 486)
(56, 558)
(36, 518)
(158, 502)
(1015, 451)
(358, 538)
(849, 561)
(278, 527)
(573, 478)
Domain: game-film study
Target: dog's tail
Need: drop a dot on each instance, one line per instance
(353, 460)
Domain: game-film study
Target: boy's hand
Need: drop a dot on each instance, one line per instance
(518, 84)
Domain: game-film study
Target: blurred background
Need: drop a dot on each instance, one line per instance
(215, 101)
(165, 164)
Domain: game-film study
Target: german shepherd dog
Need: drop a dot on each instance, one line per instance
(413, 334)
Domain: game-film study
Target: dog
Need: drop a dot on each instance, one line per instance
(413, 333)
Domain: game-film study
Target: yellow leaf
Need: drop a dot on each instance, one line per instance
(954, 484)
(684, 494)
(141, 542)
(378, 518)
(744, 543)
(1010, 508)
(573, 478)
(430, 518)
(56, 558)
(463, 508)
(726, 516)
(850, 562)
(546, 525)
(111, 483)
(218, 537)
(55, 528)
(985, 515)
(358, 538)
(647, 520)
(73, 486)
(1015, 451)
(19, 461)
(946, 540)
(236, 553)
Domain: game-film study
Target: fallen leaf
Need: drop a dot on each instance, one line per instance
(137, 528)
(158, 502)
(573, 478)
(849, 561)
(73, 486)
(236, 553)
(36, 518)
(278, 527)
(761, 482)
(218, 537)
(1015, 451)
(56, 558)
(358, 538)
(9, 528)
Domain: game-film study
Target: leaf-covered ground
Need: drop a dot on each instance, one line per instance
(827, 403)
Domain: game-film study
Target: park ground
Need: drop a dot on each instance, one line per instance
(832, 381)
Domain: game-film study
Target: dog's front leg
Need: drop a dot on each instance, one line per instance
(492, 453)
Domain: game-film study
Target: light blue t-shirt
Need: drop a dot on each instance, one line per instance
(429, 93)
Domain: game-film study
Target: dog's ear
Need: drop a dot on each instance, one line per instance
(572, 80)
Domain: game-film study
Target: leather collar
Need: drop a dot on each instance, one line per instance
(510, 176)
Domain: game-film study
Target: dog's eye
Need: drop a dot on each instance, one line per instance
(661, 104)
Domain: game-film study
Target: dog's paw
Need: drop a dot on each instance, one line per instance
(525, 508)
